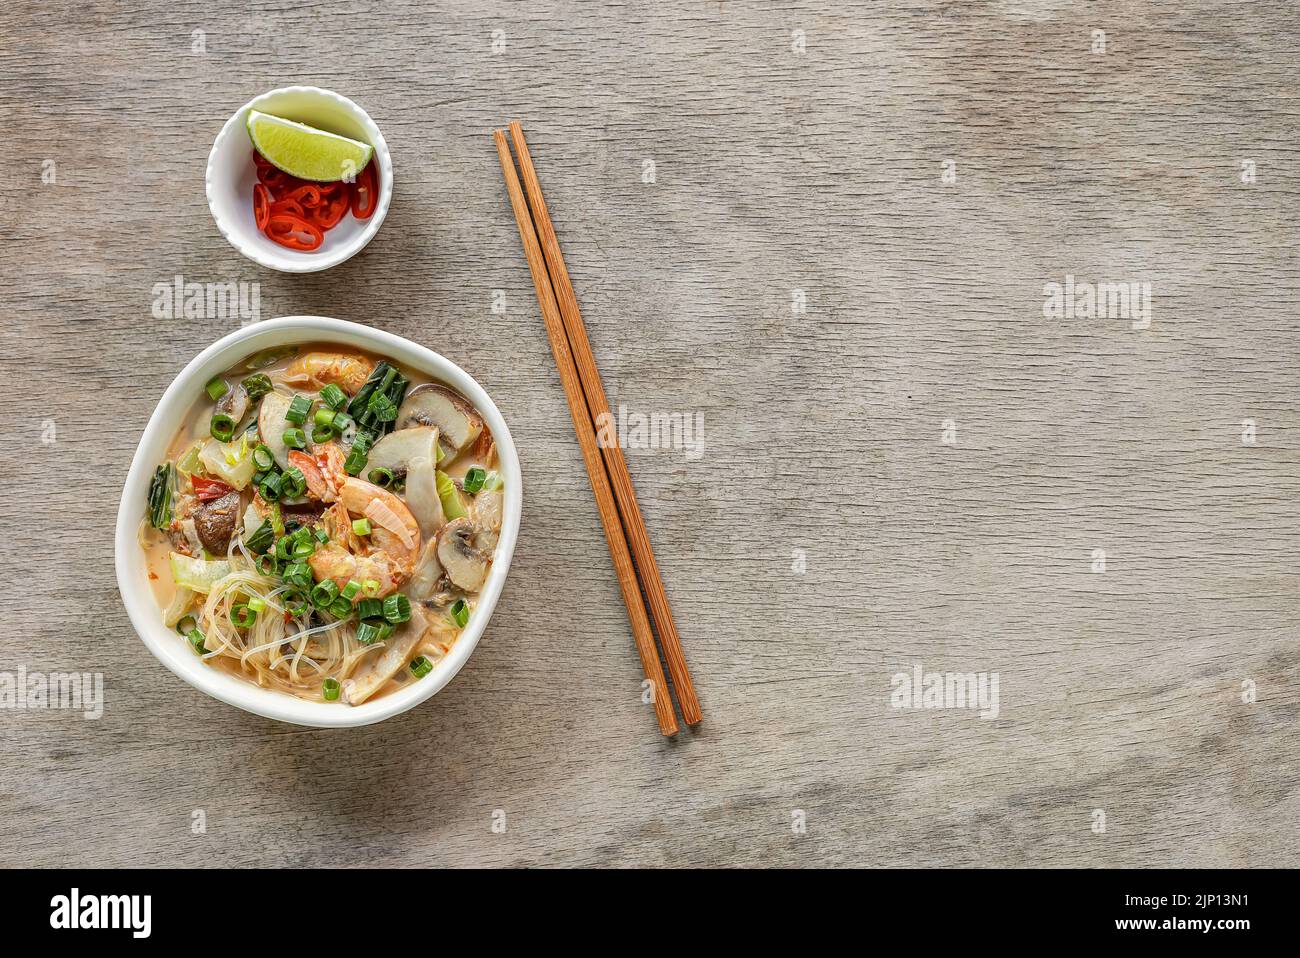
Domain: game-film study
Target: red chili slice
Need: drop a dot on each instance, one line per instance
(286, 205)
(209, 489)
(332, 209)
(309, 195)
(261, 205)
(365, 193)
(294, 232)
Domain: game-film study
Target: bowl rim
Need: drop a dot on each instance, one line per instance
(291, 261)
(141, 607)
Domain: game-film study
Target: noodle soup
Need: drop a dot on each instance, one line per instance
(324, 522)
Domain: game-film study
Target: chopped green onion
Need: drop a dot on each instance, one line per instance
(368, 633)
(333, 397)
(277, 522)
(370, 609)
(222, 427)
(216, 388)
(257, 603)
(196, 640)
(361, 527)
(370, 586)
(382, 408)
(262, 539)
(160, 498)
(474, 480)
(295, 602)
(295, 438)
(185, 629)
(292, 483)
(263, 458)
(304, 549)
(329, 690)
(242, 615)
(257, 386)
(397, 608)
(298, 573)
(381, 477)
(351, 589)
(363, 440)
(340, 608)
(270, 487)
(355, 462)
(324, 417)
(297, 411)
(460, 612)
(268, 565)
(321, 535)
(342, 421)
(321, 435)
(421, 666)
(324, 594)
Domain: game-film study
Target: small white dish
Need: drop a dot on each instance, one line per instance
(231, 175)
(171, 649)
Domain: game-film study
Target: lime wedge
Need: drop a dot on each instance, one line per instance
(304, 151)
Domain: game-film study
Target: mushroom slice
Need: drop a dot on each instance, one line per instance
(465, 564)
(271, 426)
(410, 454)
(459, 423)
(215, 522)
(368, 679)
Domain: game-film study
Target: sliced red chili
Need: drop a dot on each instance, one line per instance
(309, 195)
(294, 232)
(209, 489)
(261, 162)
(292, 207)
(261, 205)
(332, 209)
(365, 193)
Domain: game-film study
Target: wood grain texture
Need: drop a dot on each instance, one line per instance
(778, 168)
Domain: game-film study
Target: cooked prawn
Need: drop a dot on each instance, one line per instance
(394, 546)
(323, 470)
(318, 369)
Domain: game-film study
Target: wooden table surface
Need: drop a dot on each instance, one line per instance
(906, 462)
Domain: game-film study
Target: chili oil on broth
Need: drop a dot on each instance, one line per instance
(292, 653)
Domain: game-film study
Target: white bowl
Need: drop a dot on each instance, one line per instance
(170, 648)
(231, 175)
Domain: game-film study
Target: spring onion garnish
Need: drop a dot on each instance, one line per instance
(361, 527)
(304, 548)
(340, 608)
(298, 573)
(268, 565)
(216, 388)
(292, 483)
(297, 411)
(321, 435)
(257, 603)
(333, 397)
(295, 438)
(242, 615)
(262, 539)
(295, 602)
(160, 497)
(355, 462)
(374, 407)
(397, 608)
(420, 666)
(382, 408)
(277, 522)
(370, 609)
(474, 480)
(329, 690)
(270, 487)
(186, 625)
(196, 641)
(324, 417)
(351, 589)
(263, 458)
(324, 594)
(368, 633)
(342, 421)
(257, 386)
(370, 586)
(321, 535)
(460, 612)
(381, 477)
(222, 427)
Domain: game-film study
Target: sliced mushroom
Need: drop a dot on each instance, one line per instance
(459, 423)
(368, 679)
(396, 450)
(271, 425)
(215, 522)
(465, 564)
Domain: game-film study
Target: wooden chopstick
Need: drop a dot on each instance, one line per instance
(594, 390)
(582, 423)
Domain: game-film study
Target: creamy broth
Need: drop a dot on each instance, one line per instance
(327, 522)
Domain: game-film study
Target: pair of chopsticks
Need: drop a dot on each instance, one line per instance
(587, 405)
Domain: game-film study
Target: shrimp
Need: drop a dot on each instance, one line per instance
(323, 470)
(394, 537)
(348, 371)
